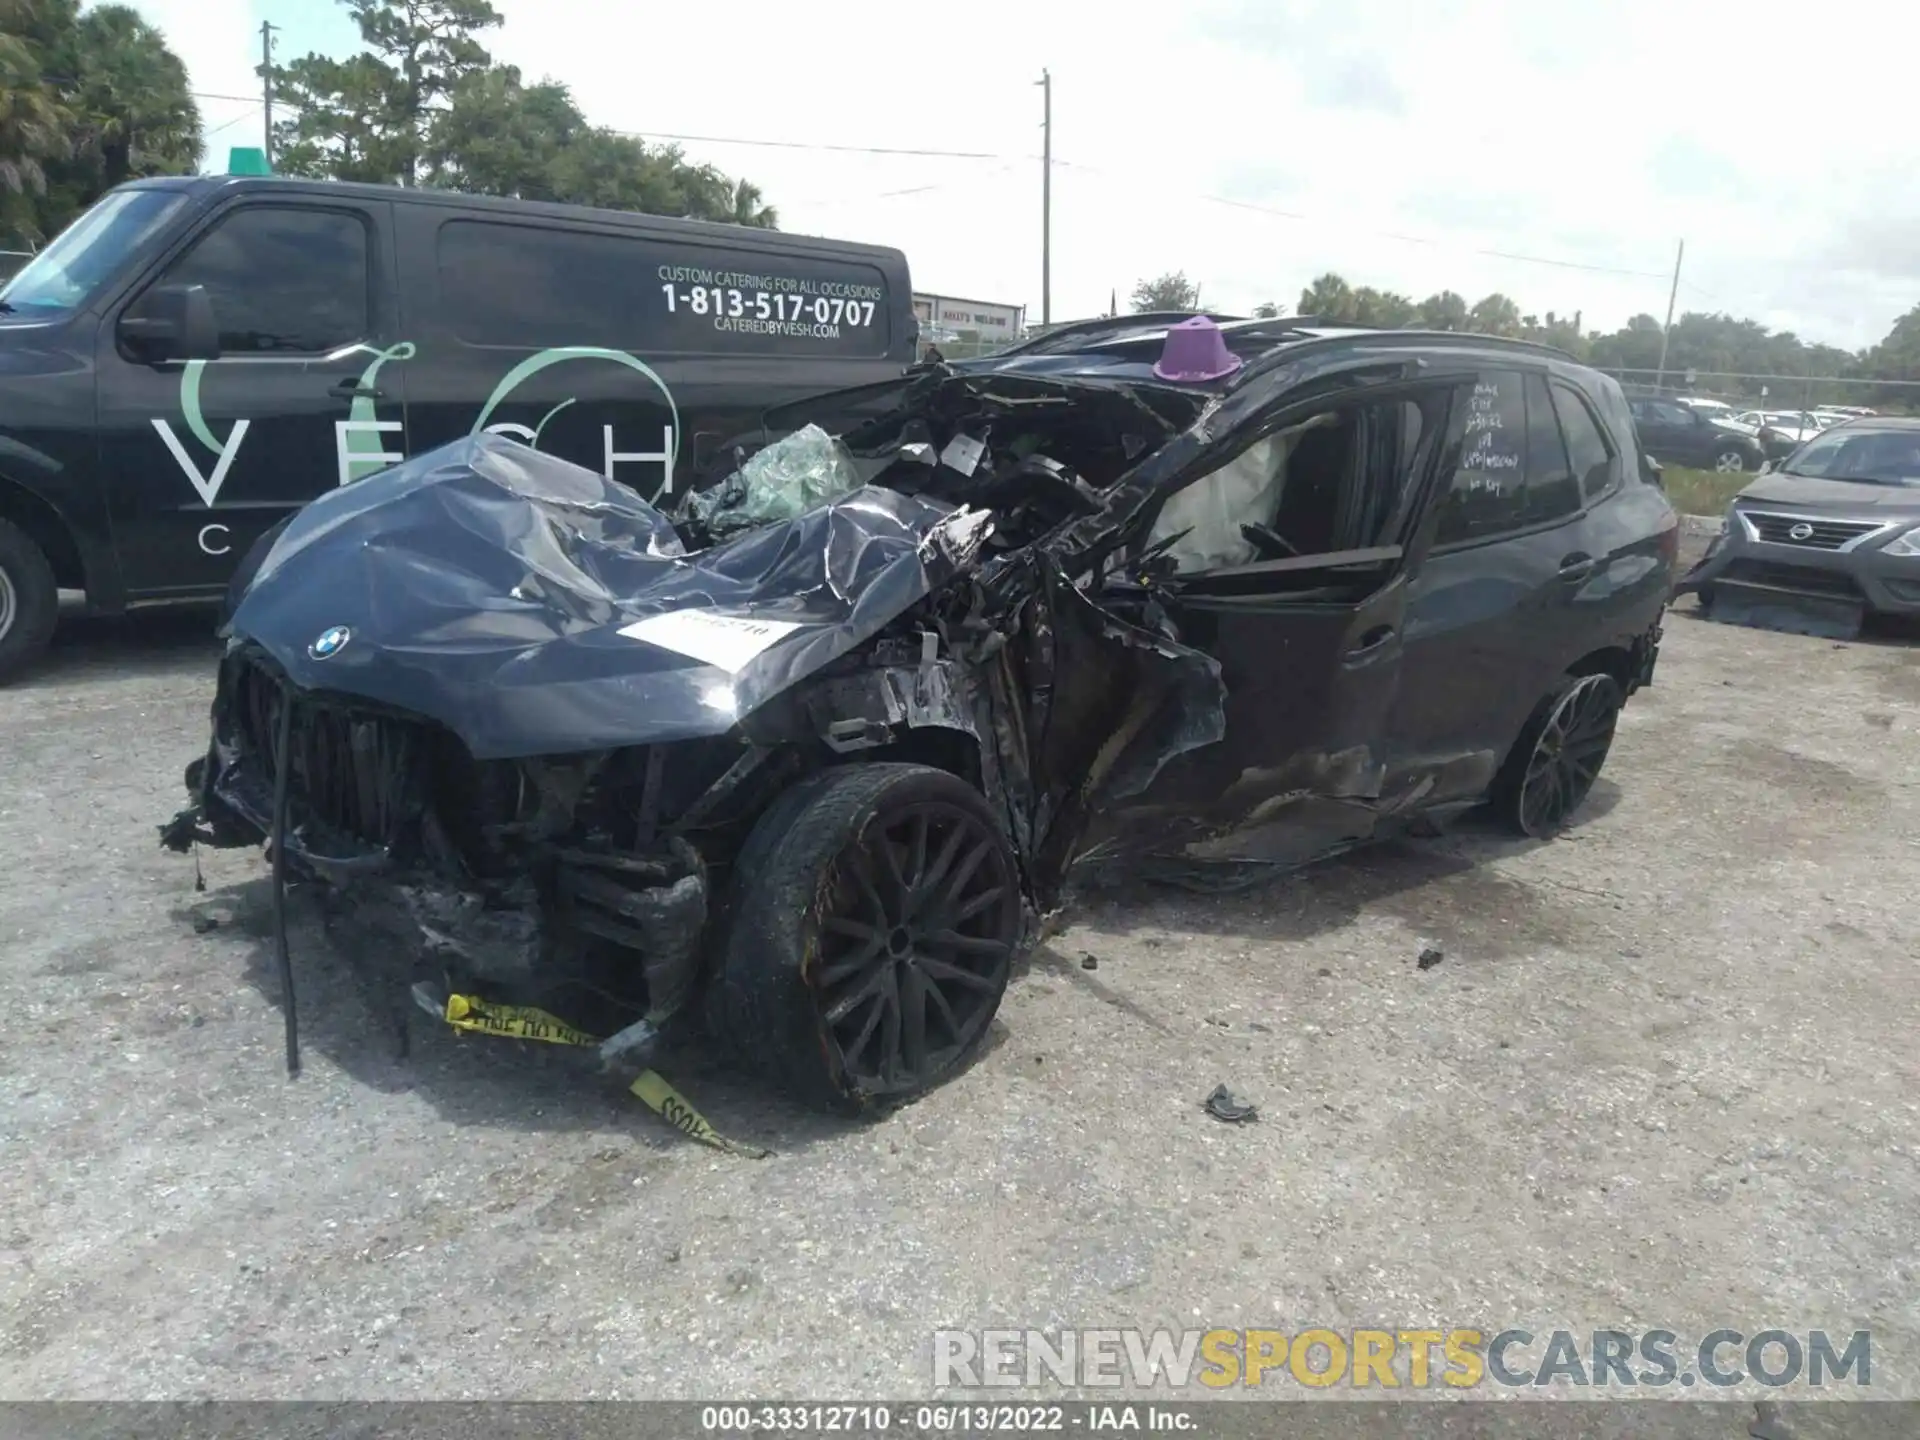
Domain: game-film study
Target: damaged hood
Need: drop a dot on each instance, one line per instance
(534, 607)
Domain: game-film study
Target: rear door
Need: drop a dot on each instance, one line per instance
(200, 457)
(635, 354)
(1505, 591)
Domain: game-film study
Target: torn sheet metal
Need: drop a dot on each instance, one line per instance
(535, 608)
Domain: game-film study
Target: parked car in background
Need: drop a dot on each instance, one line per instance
(1678, 435)
(1702, 405)
(1824, 539)
(1783, 432)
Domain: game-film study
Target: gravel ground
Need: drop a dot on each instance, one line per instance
(1664, 1076)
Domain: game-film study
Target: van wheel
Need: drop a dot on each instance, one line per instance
(1553, 765)
(875, 916)
(29, 601)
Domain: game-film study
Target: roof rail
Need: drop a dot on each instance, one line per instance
(1110, 327)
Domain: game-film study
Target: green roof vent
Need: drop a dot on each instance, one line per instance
(248, 160)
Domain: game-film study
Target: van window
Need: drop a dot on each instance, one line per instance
(282, 280)
(89, 250)
(528, 286)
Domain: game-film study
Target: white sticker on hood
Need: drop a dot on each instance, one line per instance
(726, 641)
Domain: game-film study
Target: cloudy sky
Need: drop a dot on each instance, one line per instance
(1458, 144)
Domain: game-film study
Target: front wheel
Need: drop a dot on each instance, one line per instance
(29, 601)
(1731, 462)
(1558, 756)
(876, 915)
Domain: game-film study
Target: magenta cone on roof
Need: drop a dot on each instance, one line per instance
(1196, 350)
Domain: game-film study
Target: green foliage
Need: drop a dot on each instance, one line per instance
(370, 117)
(86, 101)
(1171, 291)
(1714, 347)
(1702, 492)
(1444, 311)
(424, 102)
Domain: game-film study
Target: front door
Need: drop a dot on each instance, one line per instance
(200, 457)
(1308, 644)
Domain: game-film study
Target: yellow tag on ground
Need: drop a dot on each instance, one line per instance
(670, 1105)
(516, 1022)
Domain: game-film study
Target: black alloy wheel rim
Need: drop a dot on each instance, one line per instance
(918, 930)
(1566, 759)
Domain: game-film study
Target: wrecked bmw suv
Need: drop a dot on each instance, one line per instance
(816, 756)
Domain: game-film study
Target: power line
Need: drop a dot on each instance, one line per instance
(1401, 237)
(832, 148)
(814, 145)
(245, 114)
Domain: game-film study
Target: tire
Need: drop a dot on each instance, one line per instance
(29, 601)
(1551, 769)
(1703, 597)
(828, 952)
(1730, 462)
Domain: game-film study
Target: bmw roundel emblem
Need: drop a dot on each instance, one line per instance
(330, 642)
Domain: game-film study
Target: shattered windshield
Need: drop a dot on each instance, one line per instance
(1882, 457)
(62, 276)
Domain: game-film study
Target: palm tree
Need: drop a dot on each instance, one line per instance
(33, 124)
(135, 111)
(749, 207)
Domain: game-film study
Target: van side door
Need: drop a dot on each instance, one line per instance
(199, 457)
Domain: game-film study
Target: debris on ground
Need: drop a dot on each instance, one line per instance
(1089, 960)
(1430, 956)
(1223, 1104)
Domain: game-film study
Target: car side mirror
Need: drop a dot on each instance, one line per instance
(173, 322)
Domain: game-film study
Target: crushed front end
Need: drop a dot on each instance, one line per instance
(544, 881)
(525, 740)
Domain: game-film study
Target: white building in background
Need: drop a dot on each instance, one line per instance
(972, 326)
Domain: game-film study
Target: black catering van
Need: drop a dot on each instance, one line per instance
(195, 357)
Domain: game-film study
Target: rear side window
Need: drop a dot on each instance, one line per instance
(1550, 489)
(529, 287)
(1490, 423)
(282, 280)
(1515, 467)
(1586, 443)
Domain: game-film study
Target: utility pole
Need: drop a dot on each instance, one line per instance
(267, 28)
(1660, 375)
(1045, 82)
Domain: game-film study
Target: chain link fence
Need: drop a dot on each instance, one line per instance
(1750, 390)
